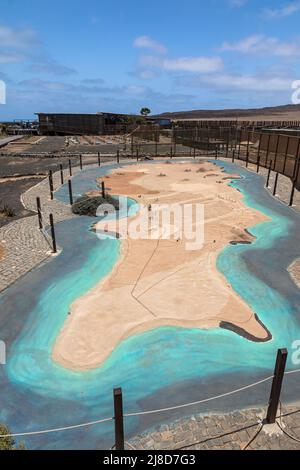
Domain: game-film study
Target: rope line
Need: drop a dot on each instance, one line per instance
(200, 401)
(143, 413)
(66, 428)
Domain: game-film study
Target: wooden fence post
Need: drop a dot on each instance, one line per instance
(297, 159)
(70, 192)
(275, 184)
(61, 174)
(268, 151)
(53, 233)
(276, 385)
(269, 174)
(286, 155)
(119, 423)
(39, 210)
(51, 184)
(258, 152)
(258, 164)
(276, 151)
(292, 194)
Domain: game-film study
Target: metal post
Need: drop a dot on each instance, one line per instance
(258, 152)
(118, 156)
(239, 150)
(80, 158)
(286, 154)
(292, 194)
(233, 156)
(171, 153)
(70, 192)
(39, 211)
(119, 420)
(227, 146)
(137, 154)
(269, 174)
(275, 185)
(248, 145)
(276, 385)
(51, 184)
(258, 164)
(268, 151)
(99, 159)
(53, 233)
(61, 174)
(194, 151)
(103, 189)
(70, 167)
(276, 151)
(297, 159)
(216, 152)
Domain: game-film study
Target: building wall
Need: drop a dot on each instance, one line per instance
(79, 124)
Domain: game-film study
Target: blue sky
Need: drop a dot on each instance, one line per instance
(117, 56)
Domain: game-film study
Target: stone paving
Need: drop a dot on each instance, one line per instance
(240, 430)
(26, 246)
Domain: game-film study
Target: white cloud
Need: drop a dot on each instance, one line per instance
(286, 10)
(17, 39)
(183, 64)
(263, 45)
(145, 42)
(246, 82)
(10, 58)
(49, 66)
(193, 64)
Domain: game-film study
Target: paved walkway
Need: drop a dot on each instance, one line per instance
(241, 430)
(26, 246)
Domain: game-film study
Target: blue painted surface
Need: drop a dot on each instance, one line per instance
(162, 367)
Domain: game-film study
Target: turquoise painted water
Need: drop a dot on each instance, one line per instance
(155, 368)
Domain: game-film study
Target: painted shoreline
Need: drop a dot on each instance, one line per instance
(185, 365)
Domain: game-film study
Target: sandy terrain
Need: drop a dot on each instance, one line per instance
(159, 282)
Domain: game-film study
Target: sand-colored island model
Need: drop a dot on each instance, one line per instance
(159, 282)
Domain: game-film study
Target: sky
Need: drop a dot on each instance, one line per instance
(118, 56)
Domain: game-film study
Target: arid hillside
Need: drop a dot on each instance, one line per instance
(278, 113)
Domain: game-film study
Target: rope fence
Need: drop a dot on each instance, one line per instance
(119, 416)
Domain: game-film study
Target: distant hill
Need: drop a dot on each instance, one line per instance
(289, 112)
